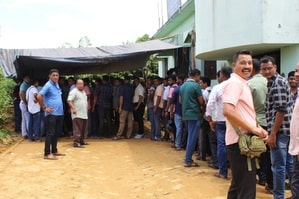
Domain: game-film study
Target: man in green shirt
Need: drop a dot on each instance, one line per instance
(259, 89)
(192, 104)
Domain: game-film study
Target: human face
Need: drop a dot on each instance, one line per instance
(243, 66)
(292, 82)
(196, 78)
(202, 84)
(80, 84)
(156, 82)
(54, 77)
(297, 73)
(268, 70)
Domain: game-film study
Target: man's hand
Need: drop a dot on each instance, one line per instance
(271, 141)
(212, 125)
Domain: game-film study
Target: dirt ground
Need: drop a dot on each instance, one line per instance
(107, 169)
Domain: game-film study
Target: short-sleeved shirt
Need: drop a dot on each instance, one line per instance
(87, 92)
(104, 92)
(190, 91)
(258, 86)
(294, 130)
(166, 92)
(175, 99)
(79, 100)
(236, 91)
(150, 103)
(139, 91)
(279, 99)
(52, 98)
(24, 86)
(127, 92)
(159, 92)
(33, 105)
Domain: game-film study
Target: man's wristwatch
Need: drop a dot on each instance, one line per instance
(44, 108)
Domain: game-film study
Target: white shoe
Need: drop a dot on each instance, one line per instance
(138, 136)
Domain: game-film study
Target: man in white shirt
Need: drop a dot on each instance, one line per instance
(218, 121)
(139, 106)
(34, 127)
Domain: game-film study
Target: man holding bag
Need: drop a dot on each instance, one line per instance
(239, 110)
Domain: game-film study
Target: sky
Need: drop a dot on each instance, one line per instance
(50, 23)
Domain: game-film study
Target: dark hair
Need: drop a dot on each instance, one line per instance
(172, 77)
(35, 81)
(267, 59)
(127, 77)
(292, 73)
(137, 78)
(54, 70)
(106, 78)
(157, 77)
(86, 80)
(256, 65)
(194, 72)
(241, 52)
(218, 73)
(226, 71)
(181, 77)
(206, 80)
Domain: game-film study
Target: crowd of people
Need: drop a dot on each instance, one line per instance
(186, 111)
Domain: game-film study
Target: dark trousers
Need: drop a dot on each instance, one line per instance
(204, 141)
(94, 122)
(52, 128)
(17, 115)
(243, 181)
(295, 179)
(138, 117)
(79, 129)
(105, 113)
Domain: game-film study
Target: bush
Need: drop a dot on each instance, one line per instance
(6, 86)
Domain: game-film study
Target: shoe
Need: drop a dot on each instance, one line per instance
(138, 136)
(77, 145)
(213, 166)
(192, 164)
(50, 157)
(117, 138)
(218, 175)
(268, 189)
(84, 143)
(178, 148)
(58, 154)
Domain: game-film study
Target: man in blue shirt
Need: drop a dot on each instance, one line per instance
(50, 100)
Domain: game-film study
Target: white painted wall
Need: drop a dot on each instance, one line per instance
(223, 24)
(289, 57)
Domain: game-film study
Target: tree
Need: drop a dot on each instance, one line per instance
(84, 42)
(66, 45)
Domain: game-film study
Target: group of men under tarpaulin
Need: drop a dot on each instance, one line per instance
(252, 96)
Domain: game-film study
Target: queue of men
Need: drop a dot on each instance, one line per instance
(188, 112)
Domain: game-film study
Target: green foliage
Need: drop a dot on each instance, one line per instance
(6, 86)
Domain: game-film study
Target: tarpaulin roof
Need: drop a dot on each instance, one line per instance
(70, 61)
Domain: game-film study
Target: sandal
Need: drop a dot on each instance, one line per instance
(218, 175)
(193, 164)
(58, 154)
(50, 157)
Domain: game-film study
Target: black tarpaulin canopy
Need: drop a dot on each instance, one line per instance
(70, 61)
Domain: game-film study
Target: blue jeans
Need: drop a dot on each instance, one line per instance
(221, 148)
(295, 179)
(150, 112)
(178, 121)
(34, 126)
(157, 117)
(193, 131)
(282, 164)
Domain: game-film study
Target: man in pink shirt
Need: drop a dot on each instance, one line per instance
(294, 142)
(239, 110)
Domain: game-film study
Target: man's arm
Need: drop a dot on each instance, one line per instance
(73, 108)
(235, 118)
(279, 118)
